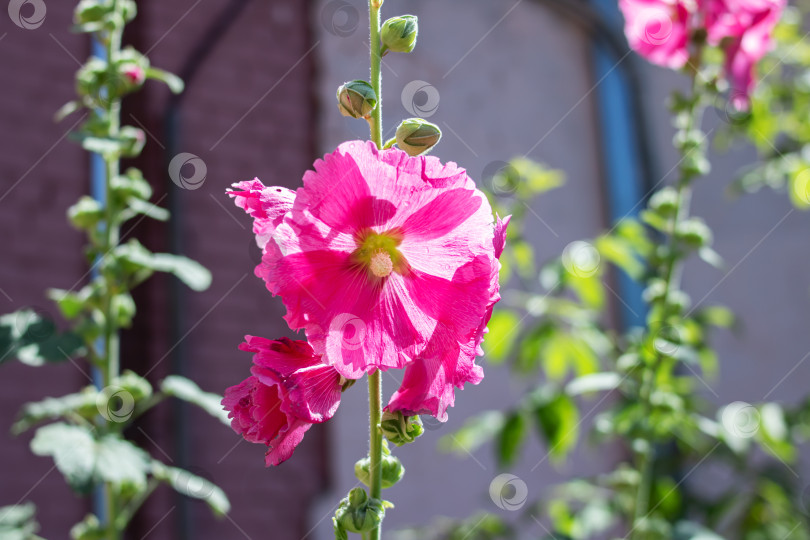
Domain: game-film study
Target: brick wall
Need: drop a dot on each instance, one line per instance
(248, 112)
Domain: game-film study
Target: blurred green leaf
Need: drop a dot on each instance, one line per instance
(17, 522)
(557, 419)
(73, 450)
(82, 404)
(34, 339)
(593, 382)
(511, 438)
(187, 390)
(503, 330)
(192, 485)
(475, 432)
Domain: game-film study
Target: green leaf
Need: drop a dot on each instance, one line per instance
(774, 432)
(193, 486)
(34, 340)
(563, 352)
(557, 419)
(84, 461)
(102, 145)
(716, 316)
(73, 451)
(82, 404)
(17, 522)
(621, 253)
(187, 390)
(174, 82)
(70, 303)
(89, 529)
(711, 257)
(510, 439)
(503, 330)
(148, 209)
(475, 432)
(121, 463)
(131, 184)
(192, 273)
(66, 110)
(593, 382)
(523, 255)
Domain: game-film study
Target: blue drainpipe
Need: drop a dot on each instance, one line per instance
(621, 158)
(98, 192)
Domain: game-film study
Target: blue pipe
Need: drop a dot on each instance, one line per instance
(621, 157)
(99, 192)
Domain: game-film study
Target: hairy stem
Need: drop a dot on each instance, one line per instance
(670, 272)
(375, 121)
(375, 441)
(111, 347)
(374, 379)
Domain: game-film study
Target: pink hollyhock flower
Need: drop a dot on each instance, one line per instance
(658, 30)
(289, 390)
(744, 27)
(429, 382)
(266, 205)
(385, 260)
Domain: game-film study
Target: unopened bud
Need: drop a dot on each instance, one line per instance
(392, 470)
(694, 232)
(356, 99)
(416, 136)
(665, 202)
(398, 34)
(358, 513)
(133, 74)
(400, 429)
(132, 141)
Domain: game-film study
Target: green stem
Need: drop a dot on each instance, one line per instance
(111, 359)
(671, 272)
(375, 441)
(374, 379)
(375, 121)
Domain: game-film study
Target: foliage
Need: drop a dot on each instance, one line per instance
(86, 437)
(642, 387)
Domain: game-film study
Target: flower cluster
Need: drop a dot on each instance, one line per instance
(662, 30)
(385, 260)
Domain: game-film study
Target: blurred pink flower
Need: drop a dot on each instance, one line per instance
(386, 260)
(658, 30)
(743, 28)
(289, 390)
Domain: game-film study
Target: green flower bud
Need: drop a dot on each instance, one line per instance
(694, 232)
(417, 136)
(400, 429)
(398, 34)
(132, 141)
(392, 471)
(665, 202)
(358, 513)
(356, 99)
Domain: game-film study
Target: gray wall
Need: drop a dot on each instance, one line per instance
(513, 78)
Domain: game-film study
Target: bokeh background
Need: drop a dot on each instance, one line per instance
(502, 78)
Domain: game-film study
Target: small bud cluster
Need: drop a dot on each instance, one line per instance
(357, 99)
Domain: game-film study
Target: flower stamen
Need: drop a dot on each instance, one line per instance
(381, 264)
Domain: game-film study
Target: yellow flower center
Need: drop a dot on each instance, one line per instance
(378, 253)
